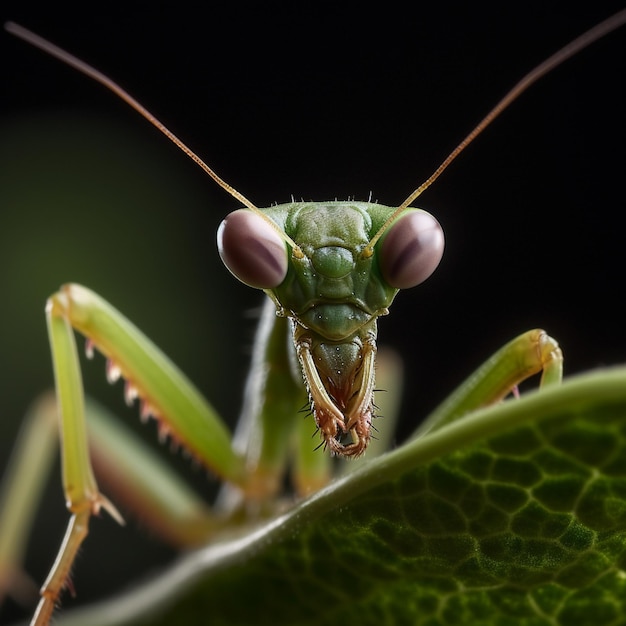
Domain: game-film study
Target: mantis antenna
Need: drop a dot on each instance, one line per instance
(92, 72)
(581, 42)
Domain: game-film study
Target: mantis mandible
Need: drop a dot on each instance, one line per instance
(340, 389)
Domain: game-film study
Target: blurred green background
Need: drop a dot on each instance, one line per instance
(320, 101)
(84, 199)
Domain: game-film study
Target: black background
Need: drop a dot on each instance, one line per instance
(322, 101)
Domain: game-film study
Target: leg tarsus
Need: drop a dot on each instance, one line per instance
(59, 576)
(75, 534)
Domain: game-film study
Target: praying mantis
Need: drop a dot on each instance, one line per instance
(332, 438)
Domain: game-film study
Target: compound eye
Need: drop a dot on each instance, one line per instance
(411, 249)
(252, 250)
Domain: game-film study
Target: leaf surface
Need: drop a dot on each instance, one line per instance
(515, 514)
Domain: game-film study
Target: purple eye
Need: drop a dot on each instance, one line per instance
(252, 250)
(411, 249)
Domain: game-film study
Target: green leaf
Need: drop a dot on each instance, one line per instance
(514, 514)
